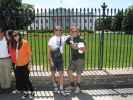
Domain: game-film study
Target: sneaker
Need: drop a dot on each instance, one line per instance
(25, 92)
(69, 89)
(77, 90)
(31, 95)
(55, 90)
(15, 91)
(24, 96)
(62, 92)
(30, 92)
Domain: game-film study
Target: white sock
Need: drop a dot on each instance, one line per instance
(55, 85)
(61, 87)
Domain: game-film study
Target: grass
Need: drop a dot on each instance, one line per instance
(117, 50)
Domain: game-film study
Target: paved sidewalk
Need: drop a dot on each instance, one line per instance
(111, 78)
(97, 94)
(90, 79)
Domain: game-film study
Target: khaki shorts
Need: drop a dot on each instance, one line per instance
(5, 73)
(77, 66)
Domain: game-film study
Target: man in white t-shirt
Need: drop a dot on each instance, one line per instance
(55, 49)
(5, 62)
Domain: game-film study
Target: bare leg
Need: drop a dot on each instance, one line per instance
(61, 79)
(77, 90)
(54, 78)
(71, 77)
(78, 77)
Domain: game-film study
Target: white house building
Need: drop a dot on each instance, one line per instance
(65, 17)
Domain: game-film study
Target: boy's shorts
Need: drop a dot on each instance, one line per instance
(58, 65)
(77, 66)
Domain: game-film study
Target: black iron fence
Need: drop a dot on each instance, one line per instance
(108, 34)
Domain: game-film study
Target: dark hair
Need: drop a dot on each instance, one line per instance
(14, 42)
(8, 35)
(2, 30)
(10, 32)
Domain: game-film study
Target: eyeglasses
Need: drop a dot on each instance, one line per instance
(15, 35)
(58, 30)
(73, 31)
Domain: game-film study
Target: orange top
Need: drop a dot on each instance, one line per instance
(24, 54)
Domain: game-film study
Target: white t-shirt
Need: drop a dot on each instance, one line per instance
(54, 42)
(3, 48)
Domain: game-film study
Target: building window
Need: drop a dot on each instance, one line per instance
(91, 20)
(46, 20)
(46, 27)
(74, 20)
(37, 28)
(85, 21)
(37, 21)
(41, 20)
(91, 28)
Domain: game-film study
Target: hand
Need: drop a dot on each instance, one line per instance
(30, 59)
(74, 46)
(50, 61)
(71, 42)
(51, 64)
(29, 66)
(82, 49)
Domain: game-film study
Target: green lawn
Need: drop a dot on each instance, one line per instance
(117, 50)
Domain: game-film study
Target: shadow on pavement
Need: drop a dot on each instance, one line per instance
(81, 96)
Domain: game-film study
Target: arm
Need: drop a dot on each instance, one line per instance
(83, 49)
(74, 46)
(29, 55)
(70, 42)
(49, 56)
(81, 46)
(29, 51)
(50, 43)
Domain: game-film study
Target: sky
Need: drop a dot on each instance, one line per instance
(79, 3)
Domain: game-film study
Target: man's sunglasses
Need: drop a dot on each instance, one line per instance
(73, 31)
(58, 30)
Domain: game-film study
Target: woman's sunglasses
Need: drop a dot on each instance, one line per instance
(15, 35)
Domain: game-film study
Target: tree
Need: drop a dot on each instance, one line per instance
(25, 16)
(123, 21)
(104, 24)
(98, 24)
(117, 21)
(127, 23)
(15, 15)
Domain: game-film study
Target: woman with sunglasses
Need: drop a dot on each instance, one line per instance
(23, 57)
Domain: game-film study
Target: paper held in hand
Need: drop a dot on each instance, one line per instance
(81, 45)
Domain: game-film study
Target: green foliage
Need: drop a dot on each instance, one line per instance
(15, 15)
(117, 21)
(104, 24)
(124, 21)
(127, 23)
(121, 21)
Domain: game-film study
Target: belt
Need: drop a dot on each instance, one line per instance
(4, 58)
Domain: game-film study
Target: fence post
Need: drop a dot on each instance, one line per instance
(101, 51)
